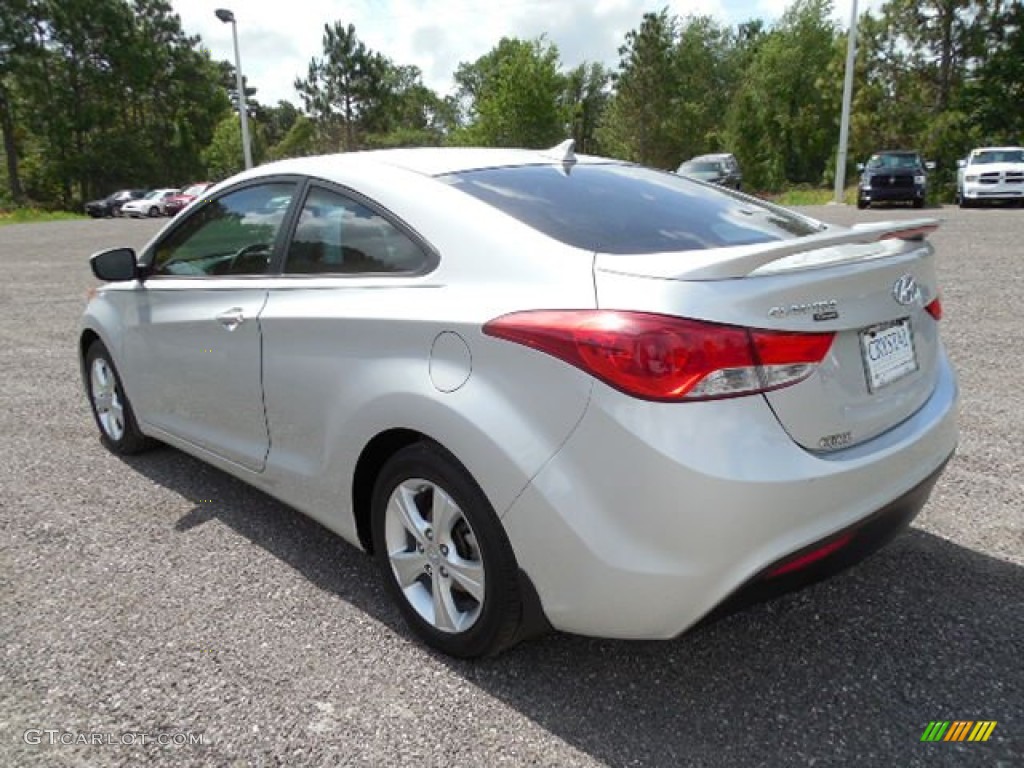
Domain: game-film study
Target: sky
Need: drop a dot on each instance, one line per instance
(278, 38)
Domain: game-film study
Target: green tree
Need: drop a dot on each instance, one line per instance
(103, 93)
(358, 98)
(300, 141)
(277, 120)
(223, 156)
(783, 121)
(342, 89)
(512, 96)
(994, 94)
(586, 98)
(705, 78)
(675, 82)
(639, 124)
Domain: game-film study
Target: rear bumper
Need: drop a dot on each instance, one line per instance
(651, 516)
(844, 549)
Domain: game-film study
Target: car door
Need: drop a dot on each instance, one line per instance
(194, 342)
(349, 274)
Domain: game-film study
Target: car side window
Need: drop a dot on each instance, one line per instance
(335, 234)
(231, 235)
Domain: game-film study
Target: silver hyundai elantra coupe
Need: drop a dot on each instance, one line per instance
(544, 390)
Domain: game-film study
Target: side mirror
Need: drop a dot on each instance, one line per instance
(860, 166)
(961, 163)
(114, 265)
(930, 165)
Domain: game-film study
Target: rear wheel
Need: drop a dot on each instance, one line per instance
(862, 204)
(918, 202)
(119, 431)
(444, 555)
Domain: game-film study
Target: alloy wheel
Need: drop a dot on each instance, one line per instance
(434, 555)
(106, 399)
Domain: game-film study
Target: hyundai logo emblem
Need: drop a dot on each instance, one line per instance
(905, 290)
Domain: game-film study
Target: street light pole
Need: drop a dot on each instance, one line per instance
(844, 121)
(227, 16)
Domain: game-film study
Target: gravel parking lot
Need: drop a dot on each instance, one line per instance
(158, 596)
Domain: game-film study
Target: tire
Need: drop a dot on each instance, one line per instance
(153, 212)
(119, 431)
(861, 204)
(477, 613)
(965, 203)
(918, 202)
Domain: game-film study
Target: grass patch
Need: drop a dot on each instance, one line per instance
(34, 215)
(813, 196)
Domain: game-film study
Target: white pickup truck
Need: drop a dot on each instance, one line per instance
(990, 173)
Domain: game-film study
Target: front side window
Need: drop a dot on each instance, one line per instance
(336, 234)
(232, 235)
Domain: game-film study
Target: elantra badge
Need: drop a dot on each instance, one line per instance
(906, 291)
(826, 309)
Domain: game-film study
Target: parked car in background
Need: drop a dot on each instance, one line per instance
(990, 174)
(111, 205)
(893, 176)
(175, 204)
(151, 205)
(737, 399)
(720, 168)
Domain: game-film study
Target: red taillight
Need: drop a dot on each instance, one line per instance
(806, 559)
(934, 308)
(914, 233)
(658, 357)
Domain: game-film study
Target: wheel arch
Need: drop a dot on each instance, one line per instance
(87, 338)
(368, 466)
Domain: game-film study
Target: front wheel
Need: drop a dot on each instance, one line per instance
(119, 431)
(154, 212)
(444, 555)
(918, 203)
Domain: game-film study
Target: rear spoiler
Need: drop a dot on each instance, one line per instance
(741, 261)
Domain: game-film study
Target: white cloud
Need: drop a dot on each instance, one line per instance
(277, 39)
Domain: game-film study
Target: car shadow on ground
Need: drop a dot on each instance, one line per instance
(849, 671)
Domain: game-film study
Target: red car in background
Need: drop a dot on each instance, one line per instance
(174, 205)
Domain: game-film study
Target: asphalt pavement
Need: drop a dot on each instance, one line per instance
(149, 604)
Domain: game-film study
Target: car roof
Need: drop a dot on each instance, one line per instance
(897, 152)
(428, 161)
(996, 149)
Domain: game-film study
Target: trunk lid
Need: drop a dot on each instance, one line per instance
(869, 285)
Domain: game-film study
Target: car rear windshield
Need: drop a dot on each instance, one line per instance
(618, 208)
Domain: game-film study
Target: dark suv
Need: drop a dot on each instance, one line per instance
(893, 177)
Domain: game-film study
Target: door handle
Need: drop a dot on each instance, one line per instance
(232, 318)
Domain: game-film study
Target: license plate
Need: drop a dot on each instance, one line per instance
(888, 352)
